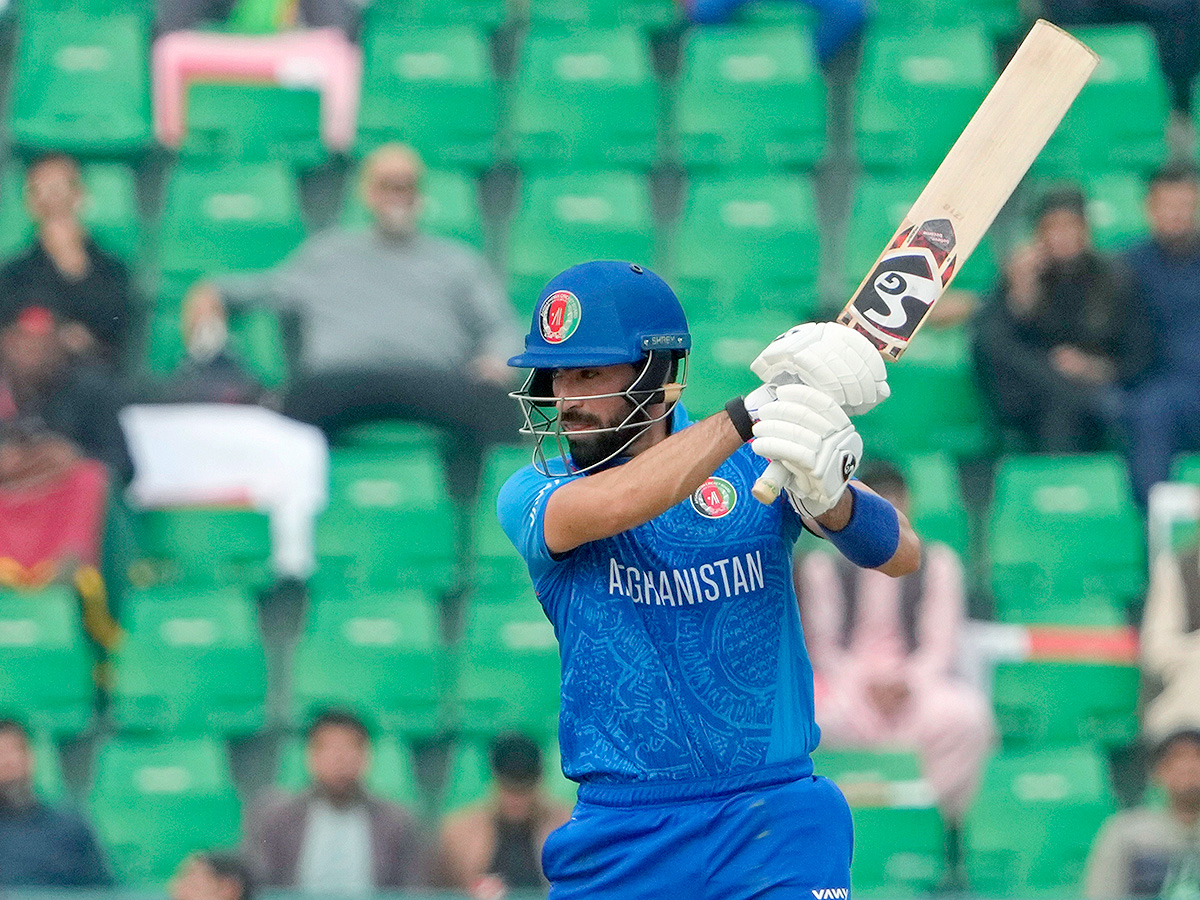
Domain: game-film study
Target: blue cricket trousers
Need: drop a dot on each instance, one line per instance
(784, 834)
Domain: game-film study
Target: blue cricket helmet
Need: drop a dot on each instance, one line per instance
(603, 313)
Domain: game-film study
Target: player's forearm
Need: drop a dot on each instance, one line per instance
(623, 497)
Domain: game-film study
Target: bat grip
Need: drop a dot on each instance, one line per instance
(766, 489)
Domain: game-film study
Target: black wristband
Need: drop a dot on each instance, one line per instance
(736, 410)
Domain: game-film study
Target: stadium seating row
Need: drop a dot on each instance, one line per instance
(749, 97)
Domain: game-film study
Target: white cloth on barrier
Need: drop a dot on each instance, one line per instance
(214, 453)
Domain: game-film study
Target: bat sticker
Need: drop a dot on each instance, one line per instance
(898, 294)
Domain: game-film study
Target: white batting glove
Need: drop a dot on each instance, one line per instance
(809, 433)
(833, 358)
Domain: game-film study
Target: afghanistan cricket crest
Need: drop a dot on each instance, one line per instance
(899, 292)
(715, 498)
(559, 316)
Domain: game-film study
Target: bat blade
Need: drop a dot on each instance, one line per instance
(973, 182)
(956, 208)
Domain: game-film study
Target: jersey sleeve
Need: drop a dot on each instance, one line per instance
(521, 508)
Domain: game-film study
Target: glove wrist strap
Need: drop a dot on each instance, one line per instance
(742, 423)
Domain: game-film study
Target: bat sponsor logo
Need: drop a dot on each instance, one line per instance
(559, 316)
(898, 294)
(715, 498)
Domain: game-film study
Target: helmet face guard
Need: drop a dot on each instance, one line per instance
(655, 383)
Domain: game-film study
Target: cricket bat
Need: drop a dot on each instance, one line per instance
(957, 206)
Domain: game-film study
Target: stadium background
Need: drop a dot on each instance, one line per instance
(595, 131)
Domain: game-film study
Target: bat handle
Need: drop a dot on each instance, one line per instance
(766, 489)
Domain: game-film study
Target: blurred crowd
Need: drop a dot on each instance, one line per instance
(1077, 350)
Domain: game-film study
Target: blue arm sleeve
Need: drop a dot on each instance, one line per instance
(521, 508)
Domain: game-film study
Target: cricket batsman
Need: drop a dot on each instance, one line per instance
(687, 694)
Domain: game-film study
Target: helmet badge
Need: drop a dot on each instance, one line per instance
(559, 316)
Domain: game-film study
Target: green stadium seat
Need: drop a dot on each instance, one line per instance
(390, 434)
(45, 663)
(603, 13)
(563, 220)
(916, 92)
(1064, 533)
(868, 232)
(938, 512)
(389, 521)
(469, 778)
(391, 776)
(203, 545)
(232, 217)
(585, 98)
(154, 802)
(747, 245)
(508, 670)
(1114, 209)
(1186, 468)
(40, 10)
(1030, 827)
(110, 215)
(378, 654)
(899, 843)
(497, 560)
(722, 350)
(431, 87)
(81, 84)
(254, 122)
(935, 404)
(192, 662)
(999, 17)
(482, 13)
(750, 98)
(48, 782)
(775, 12)
(1118, 120)
(255, 336)
(1054, 703)
(449, 207)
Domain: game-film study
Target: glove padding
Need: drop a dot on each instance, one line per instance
(833, 358)
(812, 437)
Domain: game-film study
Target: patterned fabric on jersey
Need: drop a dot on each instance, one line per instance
(682, 653)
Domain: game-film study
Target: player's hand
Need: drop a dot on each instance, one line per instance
(835, 359)
(806, 431)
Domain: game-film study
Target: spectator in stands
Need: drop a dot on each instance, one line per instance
(64, 271)
(496, 846)
(839, 22)
(212, 876)
(1061, 333)
(257, 16)
(40, 845)
(399, 325)
(883, 659)
(1176, 27)
(1153, 850)
(335, 838)
(1171, 642)
(41, 388)
(1163, 412)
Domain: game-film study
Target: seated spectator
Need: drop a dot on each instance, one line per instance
(1152, 850)
(40, 845)
(1170, 641)
(398, 325)
(257, 16)
(1061, 332)
(883, 654)
(212, 876)
(839, 22)
(1163, 411)
(335, 838)
(86, 289)
(496, 845)
(40, 384)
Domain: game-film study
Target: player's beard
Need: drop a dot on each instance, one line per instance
(589, 450)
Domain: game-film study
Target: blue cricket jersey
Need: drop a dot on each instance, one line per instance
(682, 652)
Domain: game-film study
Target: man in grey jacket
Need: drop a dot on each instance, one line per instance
(397, 324)
(335, 838)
